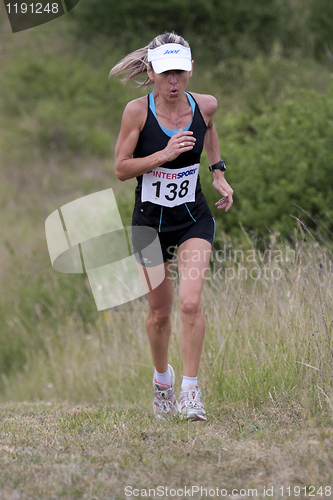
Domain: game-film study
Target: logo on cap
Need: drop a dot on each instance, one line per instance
(171, 52)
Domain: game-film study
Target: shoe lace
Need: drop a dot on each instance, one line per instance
(164, 399)
(192, 398)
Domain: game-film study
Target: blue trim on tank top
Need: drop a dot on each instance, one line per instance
(167, 131)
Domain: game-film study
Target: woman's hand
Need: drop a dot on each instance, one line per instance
(179, 143)
(222, 187)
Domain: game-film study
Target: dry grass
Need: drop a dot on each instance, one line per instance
(51, 451)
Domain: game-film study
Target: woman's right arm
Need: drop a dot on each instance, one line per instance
(133, 120)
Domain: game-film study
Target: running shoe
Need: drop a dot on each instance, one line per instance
(165, 402)
(191, 406)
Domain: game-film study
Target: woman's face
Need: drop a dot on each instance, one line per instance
(170, 84)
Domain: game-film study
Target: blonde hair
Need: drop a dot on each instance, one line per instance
(134, 64)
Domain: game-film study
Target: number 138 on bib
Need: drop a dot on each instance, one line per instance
(170, 187)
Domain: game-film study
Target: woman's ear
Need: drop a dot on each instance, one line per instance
(191, 72)
(150, 72)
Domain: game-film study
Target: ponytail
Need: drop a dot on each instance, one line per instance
(135, 63)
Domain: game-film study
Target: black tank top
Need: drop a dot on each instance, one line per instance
(153, 139)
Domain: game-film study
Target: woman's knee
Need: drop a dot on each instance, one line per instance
(190, 305)
(159, 317)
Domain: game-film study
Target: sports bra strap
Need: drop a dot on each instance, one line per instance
(167, 131)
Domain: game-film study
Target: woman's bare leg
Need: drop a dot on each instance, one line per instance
(193, 263)
(158, 322)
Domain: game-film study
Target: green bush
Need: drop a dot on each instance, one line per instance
(216, 29)
(321, 22)
(280, 163)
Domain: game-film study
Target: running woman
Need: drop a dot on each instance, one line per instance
(160, 142)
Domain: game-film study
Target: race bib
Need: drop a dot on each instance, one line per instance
(170, 188)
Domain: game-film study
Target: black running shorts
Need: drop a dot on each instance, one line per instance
(203, 228)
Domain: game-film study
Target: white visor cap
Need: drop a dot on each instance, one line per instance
(170, 56)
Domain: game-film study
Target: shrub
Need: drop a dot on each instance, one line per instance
(280, 163)
(214, 28)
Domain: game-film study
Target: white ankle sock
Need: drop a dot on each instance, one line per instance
(188, 380)
(163, 378)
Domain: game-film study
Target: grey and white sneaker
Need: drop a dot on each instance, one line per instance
(165, 402)
(191, 406)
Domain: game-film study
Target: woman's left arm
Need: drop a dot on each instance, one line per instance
(208, 107)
